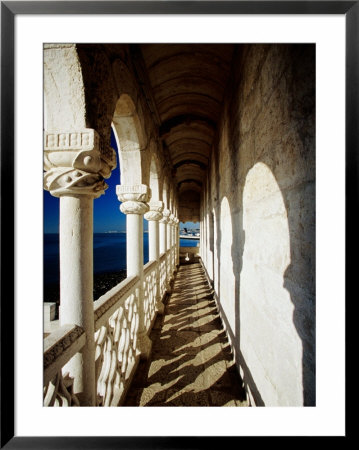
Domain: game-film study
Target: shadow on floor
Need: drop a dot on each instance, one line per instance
(191, 362)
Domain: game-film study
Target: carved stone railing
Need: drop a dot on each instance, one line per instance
(116, 328)
(116, 323)
(163, 275)
(59, 347)
(150, 293)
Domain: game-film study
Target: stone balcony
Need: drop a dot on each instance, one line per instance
(190, 364)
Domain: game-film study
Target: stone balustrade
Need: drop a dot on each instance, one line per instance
(163, 274)
(59, 347)
(116, 334)
(116, 341)
(150, 293)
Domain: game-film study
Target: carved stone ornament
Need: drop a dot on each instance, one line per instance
(132, 207)
(165, 213)
(59, 347)
(135, 193)
(171, 220)
(155, 212)
(134, 198)
(76, 163)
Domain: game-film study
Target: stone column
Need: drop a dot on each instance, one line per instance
(163, 230)
(169, 231)
(75, 165)
(169, 248)
(134, 205)
(173, 242)
(163, 238)
(153, 216)
(177, 241)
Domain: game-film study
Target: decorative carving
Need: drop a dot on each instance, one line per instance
(153, 215)
(117, 352)
(55, 351)
(163, 275)
(135, 193)
(59, 392)
(132, 207)
(76, 163)
(149, 293)
(155, 212)
(165, 213)
(156, 205)
(134, 198)
(112, 297)
(65, 181)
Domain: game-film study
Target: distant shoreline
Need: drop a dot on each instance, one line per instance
(103, 282)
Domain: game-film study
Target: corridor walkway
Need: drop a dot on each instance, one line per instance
(191, 363)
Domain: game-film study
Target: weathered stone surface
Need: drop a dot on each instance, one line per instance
(261, 191)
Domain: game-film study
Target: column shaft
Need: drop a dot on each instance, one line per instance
(76, 287)
(153, 241)
(153, 216)
(163, 237)
(134, 244)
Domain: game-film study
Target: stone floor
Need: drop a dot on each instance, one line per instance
(191, 362)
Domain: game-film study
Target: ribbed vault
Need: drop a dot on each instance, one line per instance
(187, 83)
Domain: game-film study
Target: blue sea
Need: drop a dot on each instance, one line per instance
(109, 253)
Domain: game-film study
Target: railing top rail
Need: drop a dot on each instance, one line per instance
(162, 256)
(149, 266)
(107, 303)
(60, 346)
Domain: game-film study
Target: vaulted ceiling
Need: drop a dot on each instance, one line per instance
(187, 83)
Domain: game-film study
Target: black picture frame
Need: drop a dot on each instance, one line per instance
(9, 9)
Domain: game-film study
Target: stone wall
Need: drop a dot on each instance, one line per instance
(259, 221)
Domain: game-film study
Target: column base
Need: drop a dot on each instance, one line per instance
(144, 346)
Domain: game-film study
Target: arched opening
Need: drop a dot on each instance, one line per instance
(127, 132)
(154, 179)
(129, 139)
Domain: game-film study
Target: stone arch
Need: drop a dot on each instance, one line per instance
(64, 90)
(165, 193)
(154, 177)
(129, 139)
(171, 200)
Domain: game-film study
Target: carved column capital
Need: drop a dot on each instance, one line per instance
(134, 198)
(136, 193)
(165, 213)
(76, 163)
(172, 219)
(155, 211)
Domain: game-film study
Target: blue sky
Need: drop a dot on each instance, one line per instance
(107, 214)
